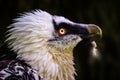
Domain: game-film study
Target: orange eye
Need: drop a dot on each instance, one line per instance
(61, 31)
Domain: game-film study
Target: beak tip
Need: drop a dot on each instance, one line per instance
(94, 30)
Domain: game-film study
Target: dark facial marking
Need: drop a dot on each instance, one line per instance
(71, 28)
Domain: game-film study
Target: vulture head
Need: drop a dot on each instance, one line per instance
(46, 42)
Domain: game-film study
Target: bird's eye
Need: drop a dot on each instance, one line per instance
(62, 31)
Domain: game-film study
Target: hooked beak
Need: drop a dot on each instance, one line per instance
(94, 30)
(90, 31)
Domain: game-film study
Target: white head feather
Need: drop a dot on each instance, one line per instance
(29, 37)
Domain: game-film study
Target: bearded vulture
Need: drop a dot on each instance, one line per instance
(41, 47)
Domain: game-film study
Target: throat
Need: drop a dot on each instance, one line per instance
(53, 66)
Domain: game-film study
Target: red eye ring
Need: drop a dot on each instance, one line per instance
(61, 31)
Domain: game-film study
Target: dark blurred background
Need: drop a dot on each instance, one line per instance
(104, 13)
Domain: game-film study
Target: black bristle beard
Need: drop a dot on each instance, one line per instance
(84, 68)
